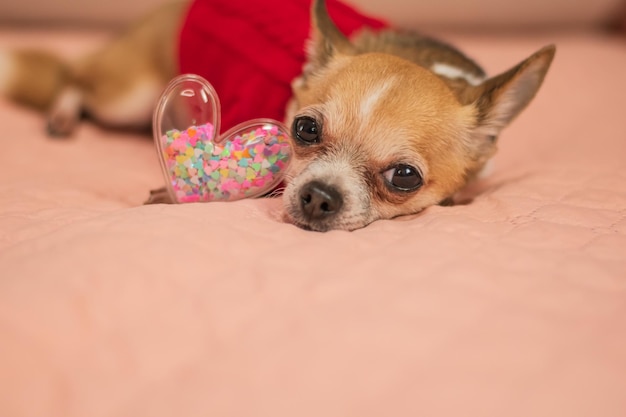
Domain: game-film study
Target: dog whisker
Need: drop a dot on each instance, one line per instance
(276, 193)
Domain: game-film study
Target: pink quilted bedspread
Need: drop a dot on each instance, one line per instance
(512, 305)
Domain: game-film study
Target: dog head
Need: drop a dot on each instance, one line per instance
(377, 136)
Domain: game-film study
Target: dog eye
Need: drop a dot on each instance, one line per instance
(305, 130)
(404, 177)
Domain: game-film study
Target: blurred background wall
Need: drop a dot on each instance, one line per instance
(407, 13)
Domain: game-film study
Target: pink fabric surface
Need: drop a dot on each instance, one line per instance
(512, 305)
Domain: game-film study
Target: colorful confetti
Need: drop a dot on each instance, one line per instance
(247, 164)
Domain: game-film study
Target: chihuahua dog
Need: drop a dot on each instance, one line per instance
(390, 123)
(384, 124)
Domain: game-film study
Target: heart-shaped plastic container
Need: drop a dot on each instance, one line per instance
(198, 163)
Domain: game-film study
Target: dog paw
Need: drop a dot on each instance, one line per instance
(159, 196)
(65, 112)
(60, 125)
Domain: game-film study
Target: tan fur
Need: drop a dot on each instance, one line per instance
(116, 85)
(36, 78)
(145, 52)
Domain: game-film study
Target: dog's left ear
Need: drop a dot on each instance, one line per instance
(500, 99)
(326, 41)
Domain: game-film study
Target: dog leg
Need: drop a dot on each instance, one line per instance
(124, 104)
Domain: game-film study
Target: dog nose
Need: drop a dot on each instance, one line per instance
(319, 201)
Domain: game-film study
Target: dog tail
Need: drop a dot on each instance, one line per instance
(31, 77)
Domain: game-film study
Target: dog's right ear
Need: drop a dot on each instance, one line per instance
(326, 41)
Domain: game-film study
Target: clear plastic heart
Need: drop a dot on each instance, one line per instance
(200, 165)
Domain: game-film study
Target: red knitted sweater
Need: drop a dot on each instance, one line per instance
(251, 50)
